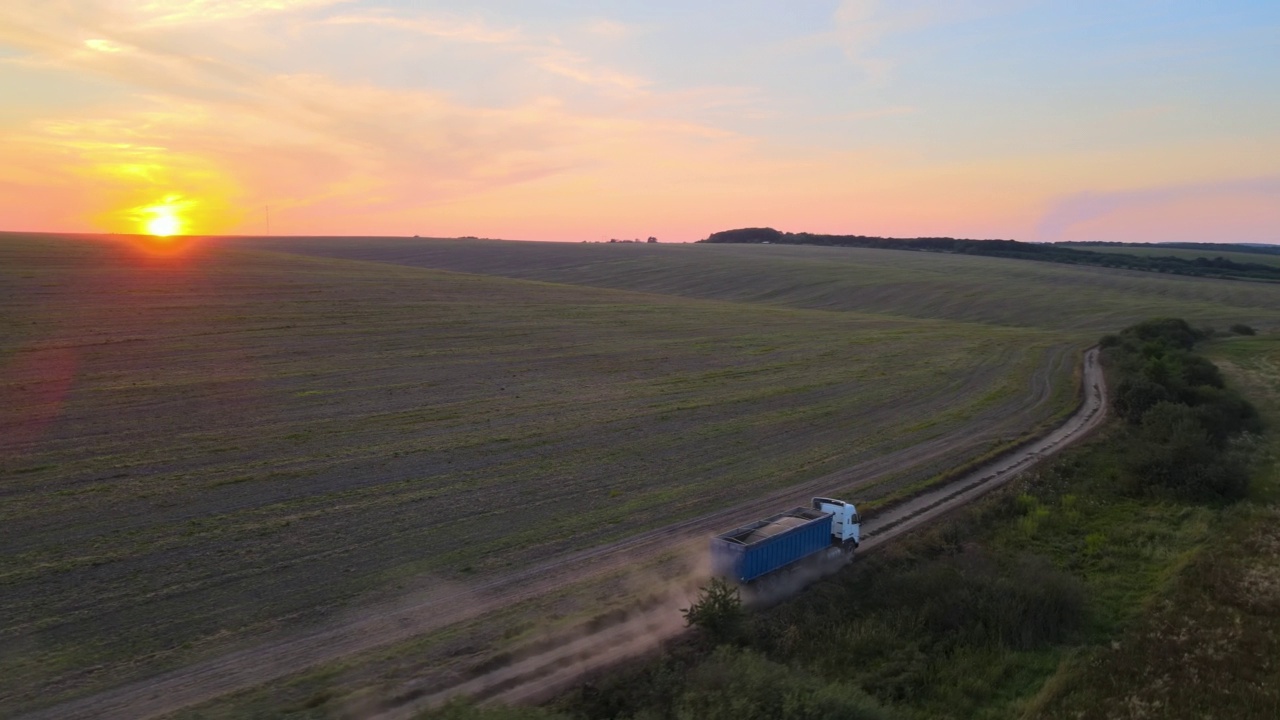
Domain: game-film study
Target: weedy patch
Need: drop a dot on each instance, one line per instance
(1259, 579)
(1209, 646)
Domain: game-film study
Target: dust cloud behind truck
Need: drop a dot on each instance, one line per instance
(787, 541)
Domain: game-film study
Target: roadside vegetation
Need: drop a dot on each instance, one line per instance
(1208, 645)
(1187, 434)
(1133, 576)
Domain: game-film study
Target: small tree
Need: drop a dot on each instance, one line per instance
(718, 612)
(1242, 329)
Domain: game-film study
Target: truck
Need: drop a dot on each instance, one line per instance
(828, 529)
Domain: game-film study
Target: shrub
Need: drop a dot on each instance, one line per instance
(1224, 414)
(1197, 370)
(1094, 543)
(1173, 452)
(464, 710)
(1185, 417)
(970, 599)
(718, 612)
(1242, 329)
(651, 691)
(1135, 395)
(1173, 332)
(738, 684)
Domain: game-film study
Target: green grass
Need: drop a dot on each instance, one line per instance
(1206, 644)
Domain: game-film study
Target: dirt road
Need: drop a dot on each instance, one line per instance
(540, 676)
(543, 673)
(930, 505)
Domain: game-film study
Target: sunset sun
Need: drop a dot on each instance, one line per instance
(162, 219)
(163, 225)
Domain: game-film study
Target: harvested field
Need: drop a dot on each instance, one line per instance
(1272, 259)
(206, 450)
(1082, 300)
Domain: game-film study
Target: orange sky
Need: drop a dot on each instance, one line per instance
(978, 119)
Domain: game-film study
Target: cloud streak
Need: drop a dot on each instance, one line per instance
(548, 54)
(225, 132)
(861, 27)
(189, 12)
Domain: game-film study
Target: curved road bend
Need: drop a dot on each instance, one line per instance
(243, 669)
(903, 517)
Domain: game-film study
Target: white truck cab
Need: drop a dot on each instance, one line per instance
(846, 523)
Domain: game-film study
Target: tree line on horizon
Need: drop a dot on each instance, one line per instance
(1218, 267)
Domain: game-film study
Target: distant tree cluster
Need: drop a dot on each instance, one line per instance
(1182, 419)
(1255, 249)
(1202, 267)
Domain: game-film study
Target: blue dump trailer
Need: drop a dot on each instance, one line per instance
(783, 540)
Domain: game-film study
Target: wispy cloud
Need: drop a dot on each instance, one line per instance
(186, 12)
(548, 54)
(444, 27)
(878, 113)
(861, 27)
(212, 125)
(605, 28)
(225, 132)
(106, 46)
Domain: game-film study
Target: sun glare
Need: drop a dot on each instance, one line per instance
(164, 224)
(164, 219)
